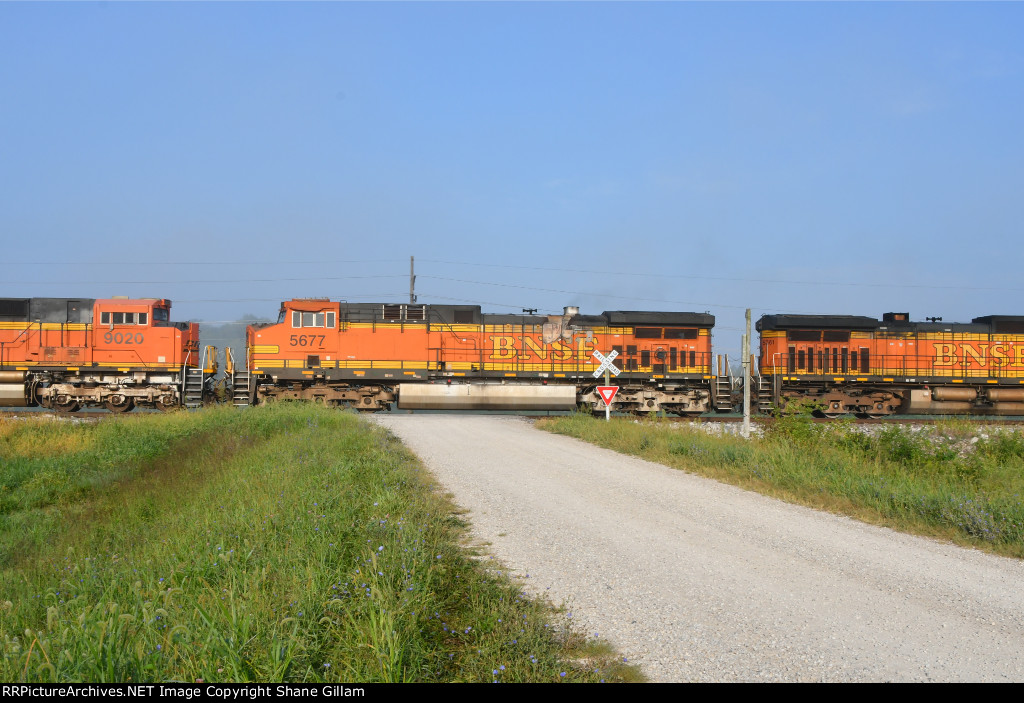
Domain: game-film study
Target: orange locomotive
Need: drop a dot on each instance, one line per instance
(881, 367)
(369, 356)
(64, 353)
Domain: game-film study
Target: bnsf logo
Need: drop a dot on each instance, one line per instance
(967, 355)
(525, 348)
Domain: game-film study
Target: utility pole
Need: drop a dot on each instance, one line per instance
(412, 282)
(746, 380)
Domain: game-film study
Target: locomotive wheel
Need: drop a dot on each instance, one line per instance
(70, 406)
(166, 407)
(119, 404)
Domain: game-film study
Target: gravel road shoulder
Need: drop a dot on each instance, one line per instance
(700, 581)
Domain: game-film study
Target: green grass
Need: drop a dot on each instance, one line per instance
(283, 543)
(935, 482)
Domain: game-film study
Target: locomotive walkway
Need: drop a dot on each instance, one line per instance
(699, 581)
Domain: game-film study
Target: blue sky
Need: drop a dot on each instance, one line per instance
(849, 158)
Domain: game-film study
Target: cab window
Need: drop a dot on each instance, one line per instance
(313, 319)
(124, 318)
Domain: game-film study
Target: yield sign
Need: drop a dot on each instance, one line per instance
(607, 393)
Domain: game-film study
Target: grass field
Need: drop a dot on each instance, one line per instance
(282, 543)
(944, 481)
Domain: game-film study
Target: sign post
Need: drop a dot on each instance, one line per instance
(606, 391)
(746, 380)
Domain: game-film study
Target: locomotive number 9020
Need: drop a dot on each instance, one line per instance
(123, 338)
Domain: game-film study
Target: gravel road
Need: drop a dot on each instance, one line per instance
(694, 580)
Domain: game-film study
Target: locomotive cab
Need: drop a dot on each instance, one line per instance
(140, 332)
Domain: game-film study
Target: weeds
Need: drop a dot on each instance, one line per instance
(948, 481)
(286, 543)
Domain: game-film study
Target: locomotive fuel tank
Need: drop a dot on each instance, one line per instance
(485, 396)
(12, 389)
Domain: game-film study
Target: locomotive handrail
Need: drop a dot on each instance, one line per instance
(901, 365)
(210, 354)
(202, 363)
(184, 372)
(28, 328)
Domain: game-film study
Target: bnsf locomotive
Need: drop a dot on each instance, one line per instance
(64, 353)
(849, 364)
(370, 356)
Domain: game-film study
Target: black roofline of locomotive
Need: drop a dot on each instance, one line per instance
(845, 322)
(644, 317)
(471, 314)
(51, 310)
(979, 325)
(999, 318)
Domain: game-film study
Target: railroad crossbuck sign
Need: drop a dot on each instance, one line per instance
(606, 363)
(607, 393)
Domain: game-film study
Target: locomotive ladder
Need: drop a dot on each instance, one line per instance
(193, 387)
(723, 394)
(764, 395)
(240, 388)
(240, 383)
(722, 388)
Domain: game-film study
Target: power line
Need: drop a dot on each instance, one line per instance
(234, 262)
(648, 274)
(632, 274)
(222, 280)
(584, 293)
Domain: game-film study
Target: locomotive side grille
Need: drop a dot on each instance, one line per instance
(13, 309)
